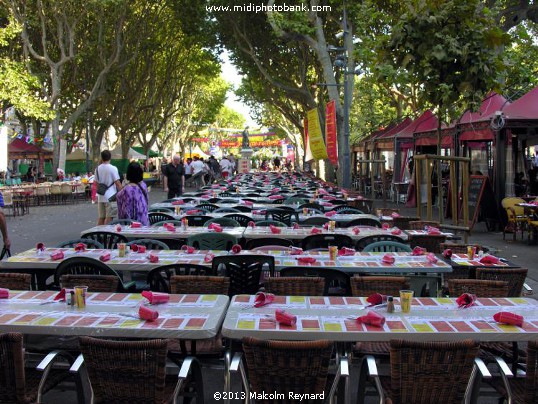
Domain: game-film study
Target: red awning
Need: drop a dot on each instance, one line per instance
(524, 108)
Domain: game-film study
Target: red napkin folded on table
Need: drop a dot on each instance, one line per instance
(236, 249)
(326, 204)
(506, 317)
(263, 299)
(418, 251)
(372, 318)
(134, 247)
(316, 230)
(4, 293)
(145, 313)
(169, 227)
(252, 224)
(275, 229)
(178, 202)
(296, 251)
(395, 231)
(58, 255)
(295, 226)
(105, 257)
(388, 259)
(118, 228)
(432, 259)
(188, 249)
(40, 247)
(60, 295)
(345, 251)
(466, 300)
(80, 247)
(156, 297)
(209, 257)
(153, 258)
(275, 197)
(376, 298)
(141, 249)
(395, 214)
(216, 227)
(326, 226)
(447, 253)
(385, 226)
(275, 190)
(284, 318)
(356, 230)
(248, 203)
(306, 260)
(136, 225)
(206, 196)
(489, 259)
(193, 212)
(330, 213)
(433, 230)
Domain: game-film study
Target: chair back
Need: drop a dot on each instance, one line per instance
(386, 285)
(315, 221)
(268, 248)
(509, 204)
(283, 216)
(159, 278)
(242, 208)
(312, 205)
(161, 209)
(223, 221)
(90, 243)
(15, 281)
(208, 207)
(326, 240)
(83, 266)
(197, 220)
(274, 241)
(431, 372)
(363, 221)
(268, 222)
(95, 283)
(243, 220)
(12, 377)
(531, 392)
(387, 246)
(344, 209)
(337, 283)
(226, 210)
(150, 244)
(431, 242)
(284, 366)
(478, 287)
(295, 286)
(421, 224)
(196, 284)
(212, 241)
(244, 271)
(155, 217)
(126, 371)
(364, 205)
(514, 276)
(107, 239)
(402, 222)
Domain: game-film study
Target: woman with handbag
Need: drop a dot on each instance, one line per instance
(133, 198)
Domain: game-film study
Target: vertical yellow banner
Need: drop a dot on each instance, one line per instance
(317, 145)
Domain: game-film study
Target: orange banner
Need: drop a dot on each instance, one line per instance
(264, 143)
(330, 132)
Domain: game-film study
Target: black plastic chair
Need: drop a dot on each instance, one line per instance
(363, 242)
(269, 222)
(310, 205)
(89, 266)
(364, 205)
(226, 210)
(88, 241)
(244, 271)
(228, 201)
(283, 216)
(363, 221)
(241, 219)
(337, 283)
(339, 202)
(162, 209)
(214, 200)
(326, 240)
(242, 208)
(260, 242)
(223, 221)
(107, 239)
(208, 207)
(159, 278)
(197, 220)
(347, 210)
(123, 222)
(150, 244)
(315, 221)
(155, 217)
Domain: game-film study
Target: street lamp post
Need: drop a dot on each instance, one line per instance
(88, 169)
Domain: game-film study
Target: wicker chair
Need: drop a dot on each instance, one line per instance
(196, 284)
(386, 285)
(421, 224)
(424, 372)
(295, 286)
(432, 243)
(402, 222)
(478, 287)
(284, 366)
(159, 278)
(259, 242)
(20, 385)
(514, 276)
(107, 239)
(387, 246)
(88, 241)
(134, 371)
(336, 282)
(15, 281)
(149, 243)
(386, 211)
(212, 241)
(326, 240)
(95, 283)
(244, 271)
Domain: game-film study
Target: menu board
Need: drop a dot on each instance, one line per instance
(481, 200)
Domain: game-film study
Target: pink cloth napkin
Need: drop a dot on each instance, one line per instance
(328, 197)
(58, 255)
(360, 198)
(272, 197)
(328, 204)
(178, 202)
(395, 214)
(209, 257)
(187, 249)
(156, 297)
(418, 251)
(252, 224)
(248, 203)
(40, 247)
(236, 249)
(153, 258)
(447, 253)
(118, 228)
(296, 226)
(376, 298)
(432, 259)
(145, 313)
(169, 227)
(316, 230)
(274, 229)
(385, 226)
(136, 225)
(489, 260)
(296, 251)
(466, 300)
(104, 257)
(306, 260)
(216, 227)
(193, 212)
(259, 212)
(80, 247)
(388, 259)
(4, 293)
(433, 231)
(326, 226)
(356, 230)
(284, 318)
(330, 213)
(263, 299)
(506, 317)
(345, 251)
(372, 318)
(395, 231)
(60, 295)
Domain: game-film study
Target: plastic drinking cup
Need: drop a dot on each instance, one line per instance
(406, 296)
(122, 248)
(333, 252)
(80, 296)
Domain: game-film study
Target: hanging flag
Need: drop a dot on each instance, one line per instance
(330, 132)
(317, 145)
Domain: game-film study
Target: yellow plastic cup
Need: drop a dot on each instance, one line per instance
(333, 252)
(80, 296)
(122, 249)
(406, 296)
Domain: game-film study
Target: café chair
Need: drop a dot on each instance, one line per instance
(108, 239)
(123, 222)
(268, 241)
(89, 266)
(363, 221)
(95, 283)
(283, 216)
(228, 201)
(312, 206)
(155, 217)
(286, 208)
(421, 224)
(214, 200)
(364, 205)
(337, 283)
(326, 240)
(223, 221)
(20, 384)
(517, 219)
(387, 246)
(277, 201)
(243, 220)
(162, 209)
(198, 284)
(295, 286)
(209, 207)
(315, 221)
(244, 271)
(197, 220)
(293, 200)
(14, 281)
(432, 243)
(514, 276)
(242, 208)
(135, 372)
(478, 287)
(72, 243)
(300, 367)
(386, 211)
(268, 222)
(176, 223)
(425, 372)
(212, 241)
(149, 243)
(226, 210)
(346, 210)
(402, 222)
(363, 242)
(268, 248)
(159, 278)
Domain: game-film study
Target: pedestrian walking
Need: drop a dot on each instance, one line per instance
(174, 178)
(133, 198)
(108, 182)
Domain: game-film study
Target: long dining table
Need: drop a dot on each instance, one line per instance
(160, 232)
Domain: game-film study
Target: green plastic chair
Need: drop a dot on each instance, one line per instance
(387, 246)
(212, 241)
(223, 221)
(294, 200)
(268, 222)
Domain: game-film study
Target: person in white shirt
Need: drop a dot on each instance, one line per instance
(107, 174)
(198, 172)
(226, 167)
(188, 169)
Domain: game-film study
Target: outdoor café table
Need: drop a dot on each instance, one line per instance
(462, 260)
(300, 233)
(160, 232)
(113, 315)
